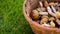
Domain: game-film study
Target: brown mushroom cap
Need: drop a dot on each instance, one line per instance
(43, 20)
(52, 4)
(34, 14)
(58, 15)
(51, 19)
(52, 24)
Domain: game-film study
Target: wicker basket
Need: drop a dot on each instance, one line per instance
(28, 6)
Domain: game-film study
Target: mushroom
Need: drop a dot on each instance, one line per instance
(43, 20)
(58, 15)
(44, 16)
(50, 11)
(52, 4)
(51, 19)
(58, 21)
(43, 13)
(52, 24)
(34, 14)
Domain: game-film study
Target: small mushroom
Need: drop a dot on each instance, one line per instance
(58, 15)
(44, 16)
(50, 11)
(43, 13)
(34, 14)
(51, 19)
(52, 24)
(43, 20)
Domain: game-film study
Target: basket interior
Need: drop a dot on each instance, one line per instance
(32, 4)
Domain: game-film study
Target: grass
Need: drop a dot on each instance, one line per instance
(12, 20)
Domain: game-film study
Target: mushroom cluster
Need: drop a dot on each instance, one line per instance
(47, 14)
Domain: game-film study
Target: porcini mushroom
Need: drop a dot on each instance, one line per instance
(58, 15)
(50, 12)
(43, 20)
(52, 4)
(51, 19)
(52, 24)
(34, 14)
(49, 9)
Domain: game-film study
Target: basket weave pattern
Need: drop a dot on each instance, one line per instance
(28, 6)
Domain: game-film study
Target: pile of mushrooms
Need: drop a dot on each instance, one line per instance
(47, 14)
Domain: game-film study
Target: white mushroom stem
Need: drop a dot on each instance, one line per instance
(43, 13)
(54, 10)
(41, 4)
(47, 25)
(58, 21)
(50, 11)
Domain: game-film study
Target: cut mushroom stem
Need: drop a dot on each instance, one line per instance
(54, 10)
(43, 13)
(46, 25)
(50, 11)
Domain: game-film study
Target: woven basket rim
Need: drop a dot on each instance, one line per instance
(35, 23)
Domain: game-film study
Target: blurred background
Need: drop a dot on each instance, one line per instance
(12, 20)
